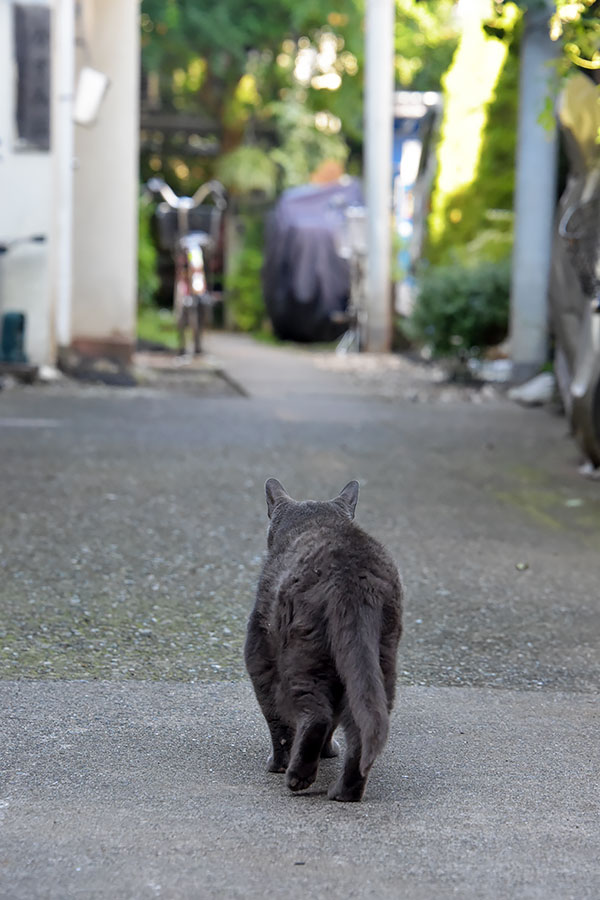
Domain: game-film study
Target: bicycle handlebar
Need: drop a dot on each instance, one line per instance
(214, 188)
(158, 186)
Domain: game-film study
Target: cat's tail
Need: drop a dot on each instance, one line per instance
(355, 636)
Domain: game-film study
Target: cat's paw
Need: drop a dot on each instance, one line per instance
(346, 793)
(297, 781)
(331, 749)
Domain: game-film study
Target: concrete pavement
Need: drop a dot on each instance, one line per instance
(131, 530)
(160, 790)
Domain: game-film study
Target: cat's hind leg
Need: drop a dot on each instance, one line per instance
(311, 735)
(282, 735)
(351, 784)
(315, 701)
(263, 674)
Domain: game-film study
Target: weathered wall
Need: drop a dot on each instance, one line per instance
(105, 185)
(25, 210)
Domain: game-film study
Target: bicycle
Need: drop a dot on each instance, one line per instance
(578, 353)
(190, 228)
(351, 244)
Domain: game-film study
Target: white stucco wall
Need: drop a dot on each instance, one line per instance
(25, 209)
(106, 181)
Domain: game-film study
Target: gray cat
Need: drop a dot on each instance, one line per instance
(322, 639)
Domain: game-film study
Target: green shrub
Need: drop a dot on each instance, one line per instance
(157, 326)
(460, 310)
(243, 283)
(148, 280)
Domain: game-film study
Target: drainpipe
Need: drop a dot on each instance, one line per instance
(535, 201)
(63, 140)
(379, 93)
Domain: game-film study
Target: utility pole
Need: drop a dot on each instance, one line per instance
(379, 92)
(535, 202)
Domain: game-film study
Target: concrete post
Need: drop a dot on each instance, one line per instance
(105, 203)
(535, 202)
(379, 88)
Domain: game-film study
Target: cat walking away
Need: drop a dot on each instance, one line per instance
(322, 639)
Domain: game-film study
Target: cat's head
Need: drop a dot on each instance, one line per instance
(288, 515)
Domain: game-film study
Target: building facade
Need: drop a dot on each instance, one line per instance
(74, 185)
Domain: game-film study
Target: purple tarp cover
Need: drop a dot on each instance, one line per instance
(304, 278)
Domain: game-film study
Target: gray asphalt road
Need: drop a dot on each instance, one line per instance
(131, 529)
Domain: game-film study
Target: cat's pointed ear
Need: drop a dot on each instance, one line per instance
(349, 497)
(275, 492)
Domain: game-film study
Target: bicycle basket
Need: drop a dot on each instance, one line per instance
(203, 218)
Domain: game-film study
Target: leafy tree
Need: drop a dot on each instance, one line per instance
(473, 221)
(575, 24)
(230, 63)
(471, 224)
(275, 89)
(221, 60)
(425, 41)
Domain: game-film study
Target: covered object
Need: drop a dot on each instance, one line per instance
(306, 282)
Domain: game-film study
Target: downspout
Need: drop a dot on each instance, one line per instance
(63, 140)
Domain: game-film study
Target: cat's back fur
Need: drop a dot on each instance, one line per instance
(322, 638)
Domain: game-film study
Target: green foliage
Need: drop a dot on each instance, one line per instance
(461, 309)
(227, 63)
(236, 67)
(493, 241)
(575, 24)
(233, 38)
(424, 43)
(246, 170)
(148, 280)
(157, 326)
(176, 31)
(300, 149)
(476, 220)
(302, 146)
(243, 283)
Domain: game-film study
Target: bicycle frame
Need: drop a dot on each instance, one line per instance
(351, 245)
